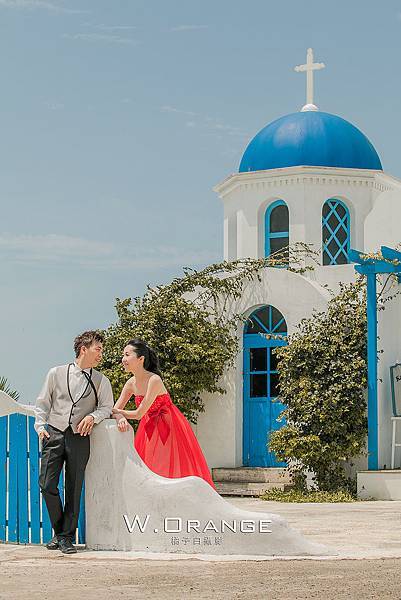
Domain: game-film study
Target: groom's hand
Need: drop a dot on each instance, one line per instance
(85, 426)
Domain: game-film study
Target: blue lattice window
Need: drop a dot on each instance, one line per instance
(276, 227)
(335, 232)
(266, 319)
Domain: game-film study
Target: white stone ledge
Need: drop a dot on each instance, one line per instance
(379, 485)
(118, 483)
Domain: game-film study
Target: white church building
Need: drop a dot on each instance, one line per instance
(310, 177)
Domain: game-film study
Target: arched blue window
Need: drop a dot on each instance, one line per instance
(276, 227)
(267, 320)
(335, 232)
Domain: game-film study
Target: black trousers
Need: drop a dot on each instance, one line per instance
(73, 450)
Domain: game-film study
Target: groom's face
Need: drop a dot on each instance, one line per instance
(93, 354)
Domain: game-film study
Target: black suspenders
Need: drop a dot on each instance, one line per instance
(89, 381)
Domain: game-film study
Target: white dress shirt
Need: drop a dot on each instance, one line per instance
(78, 384)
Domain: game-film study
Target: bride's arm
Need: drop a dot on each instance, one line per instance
(126, 393)
(155, 387)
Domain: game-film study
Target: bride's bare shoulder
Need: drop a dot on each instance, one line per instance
(156, 383)
(131, 383)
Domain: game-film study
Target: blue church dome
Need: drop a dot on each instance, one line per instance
(310, 138)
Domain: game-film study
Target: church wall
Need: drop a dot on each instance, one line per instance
(246, 234)
(382, 228)
(230, 236)
(382, 224)
(232, 206)
(332, 275)
(389, 332)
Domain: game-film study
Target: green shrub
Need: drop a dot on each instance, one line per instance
(323, 376)
(294, 495)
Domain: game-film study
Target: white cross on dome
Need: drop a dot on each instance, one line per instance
(309, 67)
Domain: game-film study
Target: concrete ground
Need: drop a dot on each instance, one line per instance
(354, 530)
(366, 536)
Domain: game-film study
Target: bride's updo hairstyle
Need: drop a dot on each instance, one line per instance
(151, 361)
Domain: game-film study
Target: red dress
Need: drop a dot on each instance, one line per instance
(166, 443)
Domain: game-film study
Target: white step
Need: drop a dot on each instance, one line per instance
(251, 475)
(246, 489)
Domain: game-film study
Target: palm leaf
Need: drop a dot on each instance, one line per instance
(5, 387)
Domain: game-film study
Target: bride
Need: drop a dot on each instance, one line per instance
(164, 439)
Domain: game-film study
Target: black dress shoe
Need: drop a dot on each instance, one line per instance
(52, 544)
(66, 546)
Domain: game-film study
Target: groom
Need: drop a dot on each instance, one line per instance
(73, 399)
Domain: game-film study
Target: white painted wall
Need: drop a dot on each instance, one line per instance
(382, 228)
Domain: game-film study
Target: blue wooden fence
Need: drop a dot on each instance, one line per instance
(23, 514)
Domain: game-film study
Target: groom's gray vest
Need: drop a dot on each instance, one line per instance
(64, 412)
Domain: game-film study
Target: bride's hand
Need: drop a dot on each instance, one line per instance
(123, 424)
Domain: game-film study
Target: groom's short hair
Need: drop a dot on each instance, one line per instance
(87, 338)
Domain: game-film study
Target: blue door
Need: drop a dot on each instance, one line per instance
(261, 407)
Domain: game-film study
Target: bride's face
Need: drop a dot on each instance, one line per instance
(130, 360)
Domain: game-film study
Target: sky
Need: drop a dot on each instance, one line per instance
(117, 118)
